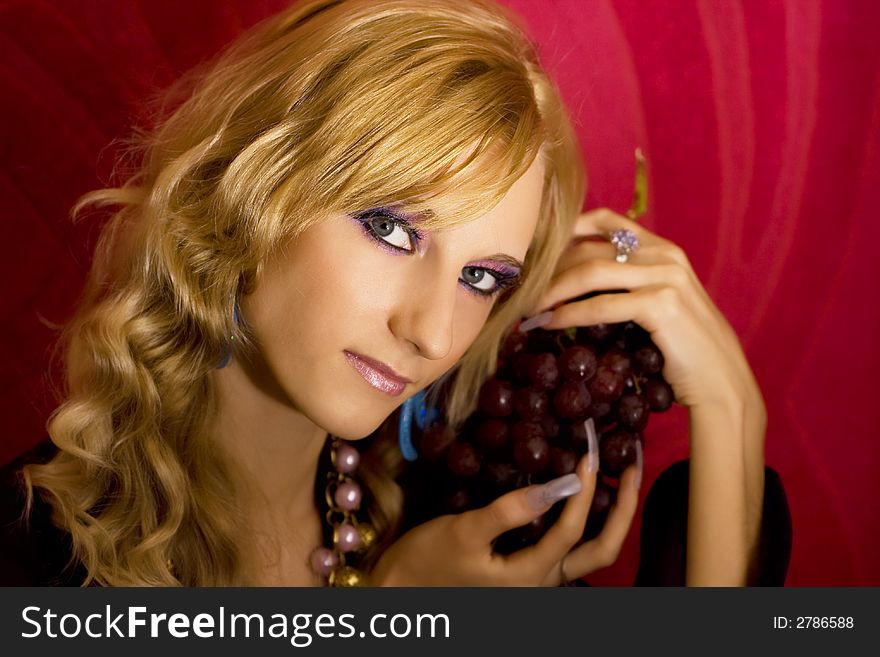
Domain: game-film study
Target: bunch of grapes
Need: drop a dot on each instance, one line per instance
(553, 392)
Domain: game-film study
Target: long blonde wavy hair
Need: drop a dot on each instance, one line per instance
(330, 106)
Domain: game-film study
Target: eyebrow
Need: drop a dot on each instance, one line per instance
(510, 260)
(414, 218)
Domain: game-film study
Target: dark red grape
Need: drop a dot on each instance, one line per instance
(528, 534)
(532, 531)
(542, 341)
(574, 435)
(522, 430)
(599, 409)
(618, 360)
(617, 450)
(496, 398)
(550, 426)
(634, 337)
(648, 359)
(542, 370)
(577, 363)
(632, 411)
(603, 497)
(659, 394)
(434, 441)
(530, 403)
(531, 421)
(514, 344)
(571, 400)
(463, 459)
(606, 385)
(596, 332)
(532, 453)
(500, 476)
(492, 434)
(457, 498)
(562, 461)
(520, 369)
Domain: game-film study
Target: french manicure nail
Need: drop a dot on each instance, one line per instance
(640, 465)
(537, 321)
(592, 446)
(544, 496)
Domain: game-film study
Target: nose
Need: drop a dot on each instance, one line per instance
(424, 314)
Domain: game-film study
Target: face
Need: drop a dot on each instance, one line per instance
(360, 312)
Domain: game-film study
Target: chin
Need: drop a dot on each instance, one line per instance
(353, 433)
(351, 425)
(351, 412)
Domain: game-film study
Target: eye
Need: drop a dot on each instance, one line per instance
(480, 279)
(390, 231)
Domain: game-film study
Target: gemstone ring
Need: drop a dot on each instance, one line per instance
(625, 241)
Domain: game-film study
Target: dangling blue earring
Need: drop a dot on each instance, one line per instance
(414, 407)
(227, 349)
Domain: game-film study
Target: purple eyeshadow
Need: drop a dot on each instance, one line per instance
(506, 276)
(505, 272)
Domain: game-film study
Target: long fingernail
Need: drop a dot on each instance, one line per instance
(553, 491)
(537, 321)
(592, 446)
(640, 465)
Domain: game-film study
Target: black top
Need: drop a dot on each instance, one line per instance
(33, 551)
(36, 553)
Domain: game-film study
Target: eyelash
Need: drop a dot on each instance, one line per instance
(504, 280)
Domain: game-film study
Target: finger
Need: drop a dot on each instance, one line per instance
(586, 250)
(657, 294)
(563, 534)
(603, 550)
(579, 262)
(648, 306)
(478, 528)
(603, 220)
(597, 275)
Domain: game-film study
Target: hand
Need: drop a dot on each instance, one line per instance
(456, 550)
(704, 362)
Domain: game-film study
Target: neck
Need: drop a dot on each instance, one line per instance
(272, 448)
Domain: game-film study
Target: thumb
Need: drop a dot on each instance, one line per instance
(518, 507)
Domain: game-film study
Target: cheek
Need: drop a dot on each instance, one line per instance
(333, 289)
(349, 285)
(472, 316)
(298, 298)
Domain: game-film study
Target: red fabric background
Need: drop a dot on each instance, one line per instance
(760, 123)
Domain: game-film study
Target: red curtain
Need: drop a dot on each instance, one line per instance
(760, 124)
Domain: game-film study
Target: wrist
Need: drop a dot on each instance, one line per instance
(729, 408)
(744, 403)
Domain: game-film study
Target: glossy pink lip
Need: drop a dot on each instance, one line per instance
(377, 374)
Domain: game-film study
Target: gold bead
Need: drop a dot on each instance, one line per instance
(368, 535)
(346, 576)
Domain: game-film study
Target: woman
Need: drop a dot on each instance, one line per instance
(354, 202)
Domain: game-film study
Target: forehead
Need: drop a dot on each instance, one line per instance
(509, 226)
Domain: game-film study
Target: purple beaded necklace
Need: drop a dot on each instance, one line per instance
(344, 496)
